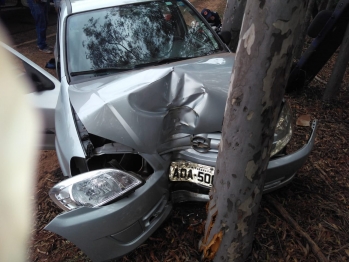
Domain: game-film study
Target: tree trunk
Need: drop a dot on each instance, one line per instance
(300, 44)
(264, 54)
(333, 85)
(232, 20)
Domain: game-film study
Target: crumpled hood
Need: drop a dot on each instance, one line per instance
(145, 108)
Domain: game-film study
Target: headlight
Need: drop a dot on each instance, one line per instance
(283, 130)
(93, 189)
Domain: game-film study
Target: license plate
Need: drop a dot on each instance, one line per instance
(191, 172)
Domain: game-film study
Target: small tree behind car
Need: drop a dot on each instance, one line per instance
(333, 85)
(268, 35)
(306, 22)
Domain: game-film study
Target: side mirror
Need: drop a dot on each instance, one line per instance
(318, 23)
(225, 36)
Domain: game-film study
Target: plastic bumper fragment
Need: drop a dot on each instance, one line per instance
(113, 230)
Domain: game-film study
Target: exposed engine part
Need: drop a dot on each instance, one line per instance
(103, 153)
(126, 162)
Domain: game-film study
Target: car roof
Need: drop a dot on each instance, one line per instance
(87, 5)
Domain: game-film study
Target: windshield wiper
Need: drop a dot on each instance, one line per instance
(100, 70)
(162, 61)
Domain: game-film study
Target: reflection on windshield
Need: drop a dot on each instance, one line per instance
(126, 36)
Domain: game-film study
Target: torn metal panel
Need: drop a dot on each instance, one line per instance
(145, 108)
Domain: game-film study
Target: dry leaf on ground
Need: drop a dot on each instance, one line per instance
(303, 120)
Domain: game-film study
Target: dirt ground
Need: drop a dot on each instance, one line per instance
(317, 199)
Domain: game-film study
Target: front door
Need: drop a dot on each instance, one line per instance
(43, 94)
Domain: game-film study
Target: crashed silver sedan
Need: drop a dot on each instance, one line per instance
(136, 118)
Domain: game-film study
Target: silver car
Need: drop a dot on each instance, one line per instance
(138, 111)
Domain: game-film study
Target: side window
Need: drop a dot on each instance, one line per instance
(39, 81)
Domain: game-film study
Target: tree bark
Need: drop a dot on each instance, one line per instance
(300, 44)
(269, 32)
(232, 20)
(333, 85)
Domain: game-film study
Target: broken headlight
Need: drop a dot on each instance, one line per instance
(283, 130)
(93, 189)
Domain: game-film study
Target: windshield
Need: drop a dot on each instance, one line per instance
(131, 36)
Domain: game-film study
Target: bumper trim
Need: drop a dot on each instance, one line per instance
(288, 165)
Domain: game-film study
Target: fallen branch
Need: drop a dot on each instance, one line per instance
(320, 80)
(314, 247)
(322, 174)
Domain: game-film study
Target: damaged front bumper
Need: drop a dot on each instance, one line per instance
(113, 230)
(285, 165)
(288, 165)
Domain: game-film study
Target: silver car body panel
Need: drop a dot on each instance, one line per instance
(144, 109)
(68, 144)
